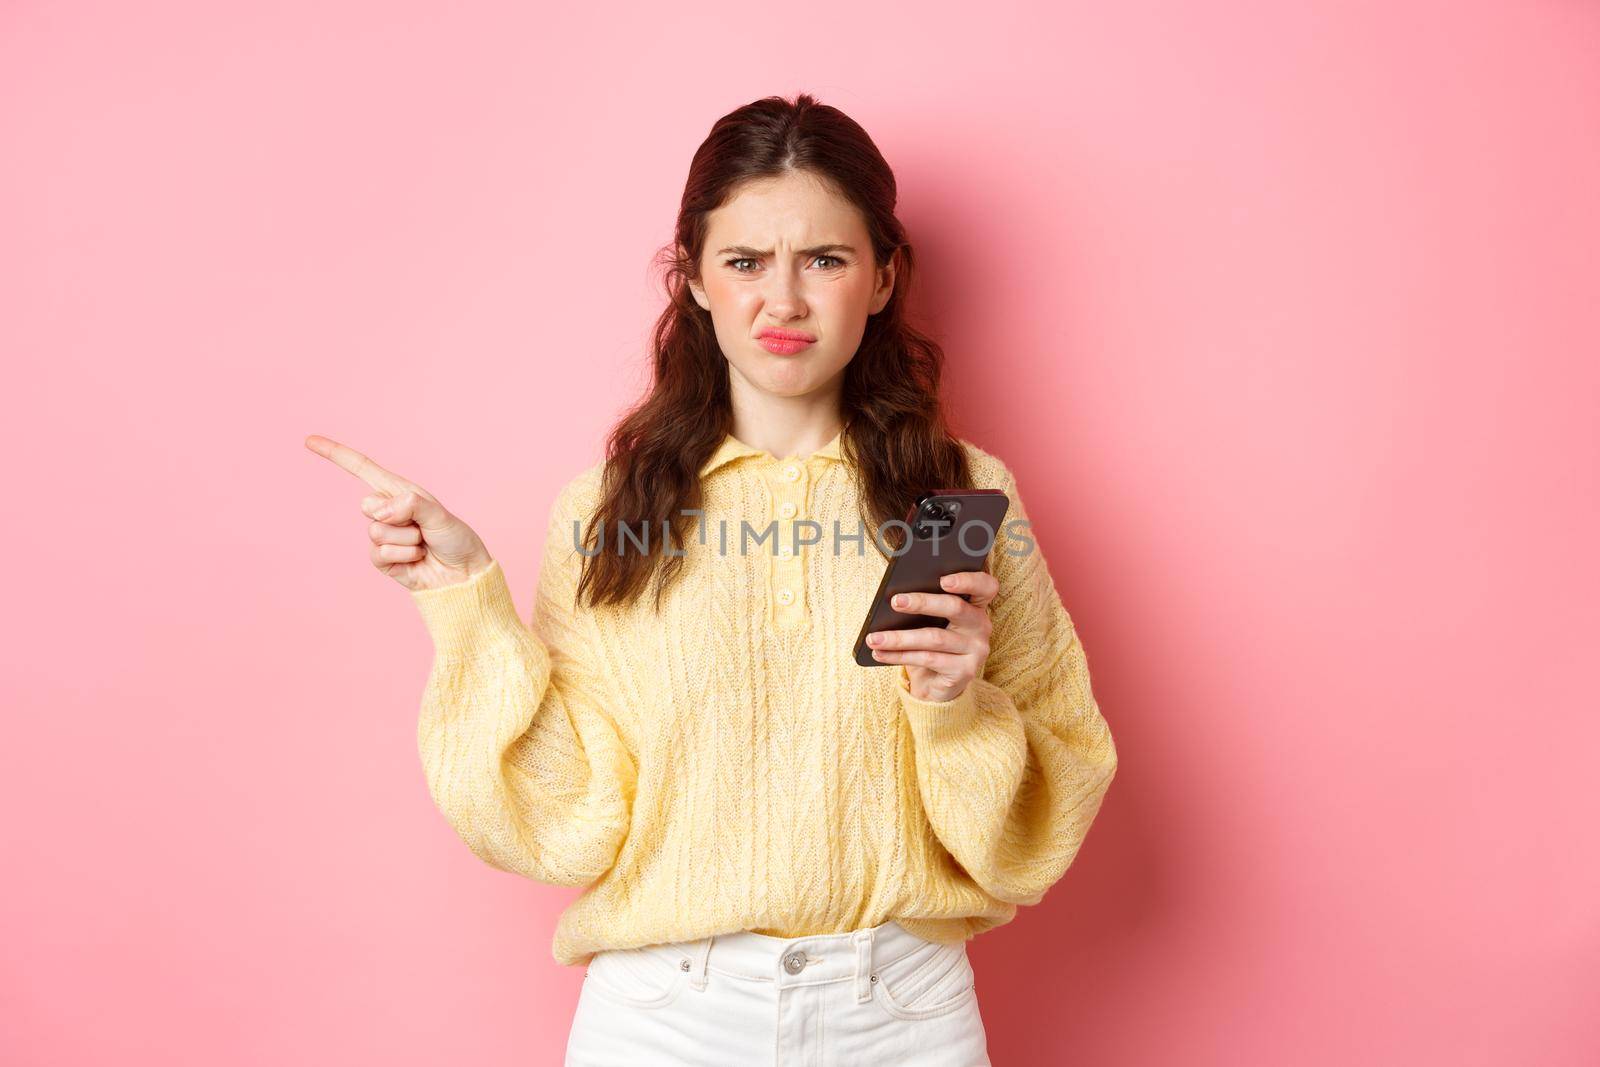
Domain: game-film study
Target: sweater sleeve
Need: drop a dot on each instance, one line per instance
(520, 754)
(1013, 769)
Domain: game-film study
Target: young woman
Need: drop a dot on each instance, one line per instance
(784, 852)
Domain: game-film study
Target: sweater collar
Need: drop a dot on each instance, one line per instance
(732, 448)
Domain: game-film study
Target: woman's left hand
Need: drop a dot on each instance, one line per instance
(941, 661)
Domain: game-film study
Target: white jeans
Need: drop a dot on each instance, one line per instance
(878, 995)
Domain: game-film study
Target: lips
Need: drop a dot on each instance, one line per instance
(784, 342)
(780, 347)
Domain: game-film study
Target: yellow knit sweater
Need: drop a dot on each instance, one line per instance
(727, 765)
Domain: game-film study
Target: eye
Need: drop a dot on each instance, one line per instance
(742, 259)
(836, 259)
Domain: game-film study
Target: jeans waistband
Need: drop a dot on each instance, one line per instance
(853, 955)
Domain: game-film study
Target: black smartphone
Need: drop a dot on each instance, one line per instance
(952, 530)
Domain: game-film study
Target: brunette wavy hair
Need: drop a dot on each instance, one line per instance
(895, 430)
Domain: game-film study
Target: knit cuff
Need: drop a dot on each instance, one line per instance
(938, 721)
(461, 615)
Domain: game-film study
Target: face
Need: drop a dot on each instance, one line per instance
(788, 253)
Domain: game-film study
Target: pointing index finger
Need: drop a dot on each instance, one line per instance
(358, 464)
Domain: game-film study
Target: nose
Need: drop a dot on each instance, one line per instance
(784, 297)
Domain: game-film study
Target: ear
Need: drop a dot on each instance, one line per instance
(696, 290)
(699, 295)
(885, 289)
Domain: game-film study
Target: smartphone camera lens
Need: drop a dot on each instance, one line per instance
(937, 516)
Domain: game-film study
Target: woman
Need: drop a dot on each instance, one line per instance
(784, 852)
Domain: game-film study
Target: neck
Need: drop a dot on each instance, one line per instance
(786, 426)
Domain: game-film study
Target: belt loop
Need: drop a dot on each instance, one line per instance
(697, 973)
(864, 976)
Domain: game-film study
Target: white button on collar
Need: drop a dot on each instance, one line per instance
(790, 472)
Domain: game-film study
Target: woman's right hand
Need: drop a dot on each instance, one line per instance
(415, 540)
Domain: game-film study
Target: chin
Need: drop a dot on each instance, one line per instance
(792, 376)
(788, 388)
(788, 376)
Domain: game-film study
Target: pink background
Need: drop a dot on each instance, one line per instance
(1285, 318)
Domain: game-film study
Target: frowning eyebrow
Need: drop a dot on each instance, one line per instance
(757, 253)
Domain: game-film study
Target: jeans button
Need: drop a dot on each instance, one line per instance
(794, 962)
